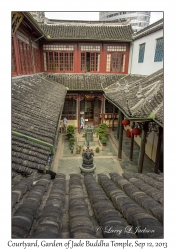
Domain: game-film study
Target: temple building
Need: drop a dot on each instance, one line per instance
(108, 74)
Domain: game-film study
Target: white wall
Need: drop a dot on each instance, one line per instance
(148, 66)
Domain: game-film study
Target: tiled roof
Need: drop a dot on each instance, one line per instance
(88, 31)
(36, 107)
(149, 29)
(84, 81)
(27, 156)
(139, 98)
(79, 207)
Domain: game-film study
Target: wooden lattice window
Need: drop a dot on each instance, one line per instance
(14, 69)
(69, 109)
(115, 62)
(37, 60)
(25, 57)
(59, 61)
(109, 107)
(90, 62)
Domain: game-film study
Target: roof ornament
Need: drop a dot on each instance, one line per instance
(126, 87)
(139, 92)
(129, 111)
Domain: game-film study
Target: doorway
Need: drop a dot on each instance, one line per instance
(89, 110)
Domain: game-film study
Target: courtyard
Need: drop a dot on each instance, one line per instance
(106, 160)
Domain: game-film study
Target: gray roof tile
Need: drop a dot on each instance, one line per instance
(140, 97)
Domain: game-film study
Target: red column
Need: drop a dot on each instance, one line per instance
(17, 54)
(78, 112)
(160, 136)
(113, 115)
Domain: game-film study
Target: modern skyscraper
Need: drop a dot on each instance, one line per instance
(138, 20)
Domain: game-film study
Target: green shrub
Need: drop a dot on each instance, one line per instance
(70, 130)
(72, 141)
(104, 140)
(101, 130)
(97, 149)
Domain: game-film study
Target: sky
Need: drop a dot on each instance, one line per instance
(155, 16)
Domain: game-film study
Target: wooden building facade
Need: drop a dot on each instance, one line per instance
(81, 48)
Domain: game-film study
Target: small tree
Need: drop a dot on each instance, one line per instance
(97, 150)
(101, 130)
(72, 141)
(70, 131)
(104, 140)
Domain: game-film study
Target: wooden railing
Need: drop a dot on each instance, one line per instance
(108, 116)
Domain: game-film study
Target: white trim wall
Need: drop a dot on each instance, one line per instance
(148, 66)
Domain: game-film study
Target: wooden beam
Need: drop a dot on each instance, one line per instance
(118, 127)
(78, 112)
(132, 144)
(113, 115)
(120, 136)
(160, 136)
(142, 147)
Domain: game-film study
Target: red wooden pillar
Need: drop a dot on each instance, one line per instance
(113, 116)
(103, 59)
(77, 58)
(132, 143)
(121, 117)
(17, 54)
(78, 112)
(103, 108)
(142, 147)
(41, 58)
(160, 136)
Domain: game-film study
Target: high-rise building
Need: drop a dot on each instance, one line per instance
(138, 20)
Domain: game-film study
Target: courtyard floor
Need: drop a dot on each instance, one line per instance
(106, 160)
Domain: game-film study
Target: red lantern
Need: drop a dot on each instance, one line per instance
(125, 122)
(136, 131)
(128, 133)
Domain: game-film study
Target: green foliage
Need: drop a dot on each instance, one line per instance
(104, 140)
(97, 149)
(70, 130)
(72, 141)
(101, 130)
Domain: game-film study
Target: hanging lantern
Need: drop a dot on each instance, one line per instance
(136, 131)
(128, 133)
(125, 122)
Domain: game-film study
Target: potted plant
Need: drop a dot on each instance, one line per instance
(101, 130)
(72, 148)
(78, 149)
(72, 141)
(97, 150)
(104, 140)
(70, 131)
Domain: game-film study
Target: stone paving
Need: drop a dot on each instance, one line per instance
(106, 161)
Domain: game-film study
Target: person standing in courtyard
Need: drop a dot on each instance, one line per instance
(65, 121)
(82, 122)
